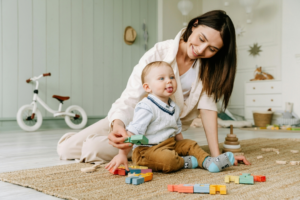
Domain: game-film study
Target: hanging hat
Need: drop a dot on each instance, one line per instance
(129, 35)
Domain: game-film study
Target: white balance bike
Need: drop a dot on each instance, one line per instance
(30, 118)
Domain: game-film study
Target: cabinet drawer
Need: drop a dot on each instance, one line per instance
(263, 100)
(249, 111)
(260, 87)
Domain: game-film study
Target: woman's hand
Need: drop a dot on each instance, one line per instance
(118, 160)
(119, 135)
(243, 159)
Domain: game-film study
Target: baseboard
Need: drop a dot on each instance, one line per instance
(48, 123)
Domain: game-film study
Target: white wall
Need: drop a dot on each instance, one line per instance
(264, 30)
(172, 19)
(291, 52)
(79, 41)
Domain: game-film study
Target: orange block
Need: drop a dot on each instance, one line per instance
(186, 188)
(147, 176)
(171, 188)
(176, 187)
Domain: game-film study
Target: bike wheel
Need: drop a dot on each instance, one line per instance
(76, 122)
(24, 118)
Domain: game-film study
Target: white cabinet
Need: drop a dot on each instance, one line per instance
(262, 95)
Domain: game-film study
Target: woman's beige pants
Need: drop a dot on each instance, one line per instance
(90, 145)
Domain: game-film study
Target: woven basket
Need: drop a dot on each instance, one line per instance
(262, 118)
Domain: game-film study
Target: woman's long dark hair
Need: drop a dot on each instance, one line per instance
(218, 72)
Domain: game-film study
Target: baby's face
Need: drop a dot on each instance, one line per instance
(161, 81)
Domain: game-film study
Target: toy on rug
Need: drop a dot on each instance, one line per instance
(295, 151)
(295, 162)
(90, 169)
(198, 188)
(139, 178)
(231, 143)
(280, 162)
(259, 157)
(245, 179)
(132, 169)
(270, 149)
(137, 139)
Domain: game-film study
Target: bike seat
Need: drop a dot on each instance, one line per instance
(60, 98)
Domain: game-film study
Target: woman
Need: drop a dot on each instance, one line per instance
(203, 57)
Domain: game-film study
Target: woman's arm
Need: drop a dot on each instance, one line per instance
(210, 124)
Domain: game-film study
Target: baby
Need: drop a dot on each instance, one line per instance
(157, 117)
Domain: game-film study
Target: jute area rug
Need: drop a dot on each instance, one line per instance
(68, 182)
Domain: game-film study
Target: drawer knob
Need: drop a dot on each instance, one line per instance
(253, 100)
(271, 99)
(253, 88)
(271, 87)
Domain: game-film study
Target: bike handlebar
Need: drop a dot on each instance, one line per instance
(35, 78)
(47, 74)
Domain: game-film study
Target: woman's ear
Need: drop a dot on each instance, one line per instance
(196, 22)
(146, 87)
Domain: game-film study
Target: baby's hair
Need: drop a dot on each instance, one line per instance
(148, 67)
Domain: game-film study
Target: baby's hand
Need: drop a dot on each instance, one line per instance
(241, 159)
(117, 161)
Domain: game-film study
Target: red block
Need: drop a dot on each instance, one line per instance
(186, 188)
(259, 178)
(112, 171)
(121, 172)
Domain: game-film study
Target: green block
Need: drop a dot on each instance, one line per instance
(246, 179)
(128, 140)
(137, 139)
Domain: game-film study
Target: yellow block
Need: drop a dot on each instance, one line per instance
(217, 188)
(229, 178)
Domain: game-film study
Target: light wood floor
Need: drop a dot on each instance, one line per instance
(22, 150)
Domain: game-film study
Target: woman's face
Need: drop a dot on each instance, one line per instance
(204, 42)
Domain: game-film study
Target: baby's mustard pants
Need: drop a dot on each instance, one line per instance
(165, 156)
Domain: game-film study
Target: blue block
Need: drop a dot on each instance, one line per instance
(129, 179)
(201, 188)
(138, 180)
(137, 171)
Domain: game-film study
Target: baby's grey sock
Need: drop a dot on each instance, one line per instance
(190, 162)
(219, 163)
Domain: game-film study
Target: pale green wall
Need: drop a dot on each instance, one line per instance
(79, 41)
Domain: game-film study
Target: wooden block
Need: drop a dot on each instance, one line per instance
(186, 188)
(201, 188)
(137, 181)
(259, 178)
(171, 188)
(280, 162)
(246, 179)
(144, 171)
(112, 171)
